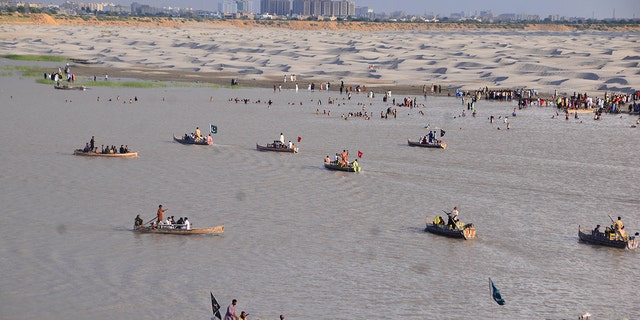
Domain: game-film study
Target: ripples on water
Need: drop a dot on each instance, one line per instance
(299, 239)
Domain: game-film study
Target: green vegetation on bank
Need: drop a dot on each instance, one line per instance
(133, 84)
(25, 57)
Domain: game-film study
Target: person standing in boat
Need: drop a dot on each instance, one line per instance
(198, 134)
(618, 224)
(187, 224)
(453, 217)
(281, 138)
(160, 213)
(92, 142)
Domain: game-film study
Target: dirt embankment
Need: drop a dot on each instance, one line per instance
(62, 20)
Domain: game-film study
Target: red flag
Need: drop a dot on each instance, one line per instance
(359, 154)
(299, 138)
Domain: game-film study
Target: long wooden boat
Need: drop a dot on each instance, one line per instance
(608, 239)
(66, 87)
(213, 231)
(462, 230)
(333, 165)
(202, 142)
(80, 152)
(274, 147)
(438, 144)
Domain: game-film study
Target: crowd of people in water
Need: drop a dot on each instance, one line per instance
(91, 147)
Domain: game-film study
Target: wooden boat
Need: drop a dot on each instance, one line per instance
(213, 231)
(66, 87)
(608, 239)
(277, 147)
(462, 230)
(438, 144)
(80, 152)
(202, 142)
(333, 165)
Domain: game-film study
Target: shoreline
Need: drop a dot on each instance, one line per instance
(172, 22)
(397, 57)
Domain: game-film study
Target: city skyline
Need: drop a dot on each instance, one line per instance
(597, 9)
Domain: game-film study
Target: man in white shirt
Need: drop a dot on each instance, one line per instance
(187, 224)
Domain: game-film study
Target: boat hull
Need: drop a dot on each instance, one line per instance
(436, 145)
(202, 142)
(337, 167)
(466, 232)
(65, 87)
(276, 149)
(603, 239)
(79, 152)
(213, 231)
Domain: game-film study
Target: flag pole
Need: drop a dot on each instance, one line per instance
(491, 295)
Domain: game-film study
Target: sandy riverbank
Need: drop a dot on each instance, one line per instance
(401, 60)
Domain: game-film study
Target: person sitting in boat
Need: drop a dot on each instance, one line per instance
(209, 139)
(424, 140)
(186, 137)
(187, 224)
(138, 222)
(290, 144)
(122, 149)
(327, 160)
(596, 230)
(179, 223)
(87, 148)
(126, 148)
(438, 220)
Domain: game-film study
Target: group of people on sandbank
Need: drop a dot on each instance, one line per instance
(90, 147)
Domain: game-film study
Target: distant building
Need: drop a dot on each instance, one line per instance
(275, 7)
(365, 12)
(317, 8)
(235, 6)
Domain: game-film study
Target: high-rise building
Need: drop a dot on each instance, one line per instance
(339, 8)
(277, 7)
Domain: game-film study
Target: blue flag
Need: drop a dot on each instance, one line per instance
(495, 293)
(214, 128)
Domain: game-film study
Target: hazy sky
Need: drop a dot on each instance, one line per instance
(598, 9)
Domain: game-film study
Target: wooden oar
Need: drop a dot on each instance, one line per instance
(150, 220)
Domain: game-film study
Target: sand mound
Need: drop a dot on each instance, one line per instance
(42, 19)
